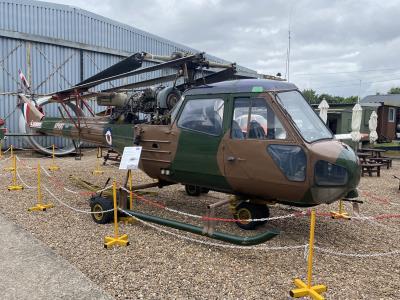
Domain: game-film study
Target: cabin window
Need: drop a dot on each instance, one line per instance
(253, 118)
(392, 115)
(203, 115)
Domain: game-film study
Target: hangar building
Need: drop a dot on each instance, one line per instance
(57, 46)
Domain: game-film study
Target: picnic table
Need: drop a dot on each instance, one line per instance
(382, 160)
(369, 168)
(363, 156)
(375, 152)
(376, 156)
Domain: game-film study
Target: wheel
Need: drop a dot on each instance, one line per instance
(192, 190)
(99, 204)
(246, 210)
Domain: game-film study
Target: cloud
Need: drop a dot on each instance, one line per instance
(326, 36)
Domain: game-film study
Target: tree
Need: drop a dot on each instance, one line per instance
(311, 96)
(394, 90)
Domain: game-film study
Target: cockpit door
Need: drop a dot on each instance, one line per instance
(248, 163)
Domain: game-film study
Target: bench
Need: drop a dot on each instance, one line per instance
(382, 160)
(371, 168)
(111, 155)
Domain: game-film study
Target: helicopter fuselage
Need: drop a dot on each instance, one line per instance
(254, 138)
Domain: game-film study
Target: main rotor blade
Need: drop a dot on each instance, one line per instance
(130, 63)
(143, 83)
(169, 64)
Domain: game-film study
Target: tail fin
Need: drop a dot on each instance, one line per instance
(30, 112)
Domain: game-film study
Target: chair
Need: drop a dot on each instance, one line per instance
(236, 131)
(256, 131)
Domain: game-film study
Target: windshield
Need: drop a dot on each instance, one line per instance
(306, 120)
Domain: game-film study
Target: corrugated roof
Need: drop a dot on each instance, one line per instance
(388, 100)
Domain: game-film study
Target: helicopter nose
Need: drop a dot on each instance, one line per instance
(350, 161)
(336, 172)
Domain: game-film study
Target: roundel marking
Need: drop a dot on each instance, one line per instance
(108, 136)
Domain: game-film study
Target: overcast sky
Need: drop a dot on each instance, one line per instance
(334, 44)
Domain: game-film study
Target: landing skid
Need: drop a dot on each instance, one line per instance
(221, 236)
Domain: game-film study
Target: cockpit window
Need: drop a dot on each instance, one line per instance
(306, 120)
(203, 115)
(254, 119)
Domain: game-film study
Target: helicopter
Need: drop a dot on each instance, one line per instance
(256, 139)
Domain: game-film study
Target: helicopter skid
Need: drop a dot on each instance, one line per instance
(221, 236)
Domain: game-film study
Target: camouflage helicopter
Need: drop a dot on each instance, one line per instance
(257, 139)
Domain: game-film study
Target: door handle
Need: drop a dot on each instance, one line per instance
(231, 158)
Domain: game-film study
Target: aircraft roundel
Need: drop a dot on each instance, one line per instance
(108, 136)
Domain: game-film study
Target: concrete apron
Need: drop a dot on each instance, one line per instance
(30, 270)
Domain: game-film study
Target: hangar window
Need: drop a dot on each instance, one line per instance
(203, 115)
(392, 114)
(254, 119)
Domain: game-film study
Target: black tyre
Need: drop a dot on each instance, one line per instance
(246, 211)
(99, 204)
(192, 190)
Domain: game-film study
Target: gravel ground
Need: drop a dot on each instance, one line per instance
(157, 265)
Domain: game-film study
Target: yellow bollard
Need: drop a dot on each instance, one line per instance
(116, 240)
(129, 219)
(341, 214)
(39, 206)
(15, 186)
(303, 289)
(53, 166)
(11, 168)
(97, 170)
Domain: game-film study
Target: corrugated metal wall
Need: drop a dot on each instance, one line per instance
(51, 65)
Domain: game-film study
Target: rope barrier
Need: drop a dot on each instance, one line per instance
(6, 159)
(70, 191)
(45, 171)
(300, 213)
(77, 209)
(9, 148)
(305, 247)
(24, 183)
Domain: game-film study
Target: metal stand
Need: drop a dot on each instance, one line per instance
(98, 170)
(40, 206)
(341, 214)
(303, 289)
(15, 186)
(116, 240)
(53, 166)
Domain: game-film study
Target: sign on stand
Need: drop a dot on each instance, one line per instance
(130, 158)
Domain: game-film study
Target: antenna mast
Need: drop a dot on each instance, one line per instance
(288, 56)
(288, 49)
